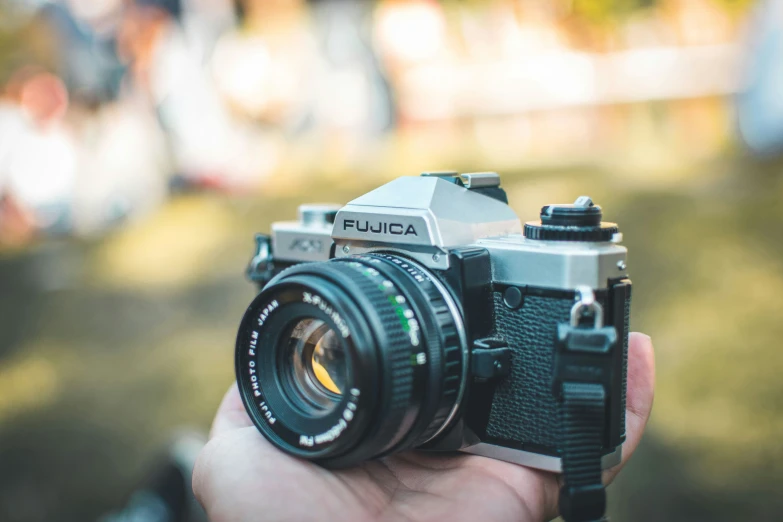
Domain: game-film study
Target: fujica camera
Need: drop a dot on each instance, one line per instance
(425, 315)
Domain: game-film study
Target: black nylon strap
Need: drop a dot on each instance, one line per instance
(581, 413)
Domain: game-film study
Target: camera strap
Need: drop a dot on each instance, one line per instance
(581, 384)
(581, 412)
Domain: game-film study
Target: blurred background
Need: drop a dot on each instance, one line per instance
(143, 142)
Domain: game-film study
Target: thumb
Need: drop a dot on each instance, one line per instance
(639, 396)
(231, 414)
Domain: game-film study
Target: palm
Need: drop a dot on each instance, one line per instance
(242, 477)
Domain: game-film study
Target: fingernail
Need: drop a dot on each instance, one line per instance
(647, 337)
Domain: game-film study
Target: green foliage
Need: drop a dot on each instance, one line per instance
(603, 11)
(6, 53)
(24, 40)
(10, 45)
(736, 6)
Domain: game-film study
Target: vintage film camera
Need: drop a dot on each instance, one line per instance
(425, 315)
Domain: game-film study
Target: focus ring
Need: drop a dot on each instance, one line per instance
(443, 340)
(398, 346)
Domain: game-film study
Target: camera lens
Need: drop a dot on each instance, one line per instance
(316, 365)
(352, 359)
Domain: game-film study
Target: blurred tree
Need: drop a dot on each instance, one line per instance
(611, 10)
(23, 41)
(736, 6)
(603, 11)
(7, 39)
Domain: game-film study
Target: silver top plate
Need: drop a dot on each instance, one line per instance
(423, 211)
(422, 217)
(564, 265)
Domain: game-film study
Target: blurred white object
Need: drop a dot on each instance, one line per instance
(204, 22)
(37, 153)
(208, 143)
(12, 124)
(94, 12)
(559, 79)
(242, 69)
(352, 94)
(411, 31)
(42, 172)
(123, 167)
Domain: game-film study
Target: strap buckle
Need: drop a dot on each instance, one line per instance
(584, 353)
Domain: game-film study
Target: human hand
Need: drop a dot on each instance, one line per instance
(241, 477)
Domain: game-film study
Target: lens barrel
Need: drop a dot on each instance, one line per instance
(379, 324)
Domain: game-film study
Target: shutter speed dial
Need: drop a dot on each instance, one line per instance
(580, 221)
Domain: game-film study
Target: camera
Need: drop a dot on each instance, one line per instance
(425, 315)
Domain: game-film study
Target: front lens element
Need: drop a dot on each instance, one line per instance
(328, 363)
(317, 365)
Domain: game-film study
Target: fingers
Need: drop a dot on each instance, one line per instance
(219, 465)
(539, 490)
(639, 396)
(231, 414)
